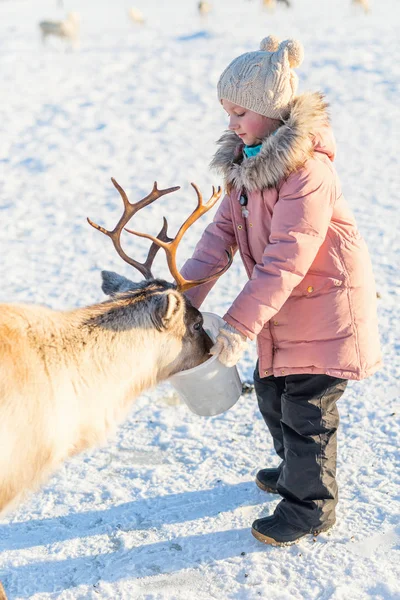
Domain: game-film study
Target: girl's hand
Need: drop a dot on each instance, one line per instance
(229, 345)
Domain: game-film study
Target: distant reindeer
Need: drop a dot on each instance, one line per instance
(68, 378)
(364, 4)
(136, 16)
(69, 29)
(204, 8)
(271, 4)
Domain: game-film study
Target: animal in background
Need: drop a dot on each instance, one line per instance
(69, 29)
(271, 4)
(364, 4)
(136, 16)
(204, 8)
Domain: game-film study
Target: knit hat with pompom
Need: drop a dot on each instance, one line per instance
(263, 81)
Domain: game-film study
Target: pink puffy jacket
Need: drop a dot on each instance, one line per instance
(310, 299)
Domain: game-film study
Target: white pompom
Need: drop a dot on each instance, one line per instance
(295, 52)
(269, 44)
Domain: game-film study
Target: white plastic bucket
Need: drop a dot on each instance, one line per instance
(210, 388)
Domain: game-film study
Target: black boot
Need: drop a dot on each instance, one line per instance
(275, 531)
(266, 479)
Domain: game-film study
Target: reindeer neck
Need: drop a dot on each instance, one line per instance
(100, 339)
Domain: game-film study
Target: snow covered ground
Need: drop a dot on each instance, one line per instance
(164, 510)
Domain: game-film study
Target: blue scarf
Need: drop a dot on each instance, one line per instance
(250, 151)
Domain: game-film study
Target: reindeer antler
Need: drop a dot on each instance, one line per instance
(130, 210)
(170, 245)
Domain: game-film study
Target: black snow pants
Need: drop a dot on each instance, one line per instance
(301, 414)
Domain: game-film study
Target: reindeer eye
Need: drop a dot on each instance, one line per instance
(197, 326)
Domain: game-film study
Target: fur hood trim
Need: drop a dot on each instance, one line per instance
(281, 154)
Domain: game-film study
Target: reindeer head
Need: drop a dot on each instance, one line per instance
(162, 304)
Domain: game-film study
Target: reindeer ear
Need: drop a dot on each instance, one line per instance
(114, 283)
(168, 310)
(174, 308)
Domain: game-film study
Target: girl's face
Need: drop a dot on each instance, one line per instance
(251, 127)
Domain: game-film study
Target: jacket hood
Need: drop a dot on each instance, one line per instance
(305, 130)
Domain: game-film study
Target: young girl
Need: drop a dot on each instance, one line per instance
(310, 298)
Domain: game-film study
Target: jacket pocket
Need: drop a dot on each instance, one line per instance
(314, 285)
(317, 310)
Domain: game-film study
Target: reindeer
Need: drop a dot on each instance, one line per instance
(204, 8)
(136, 16)
(364, 4)
(271, 4)
(67, 29)
(68, 378)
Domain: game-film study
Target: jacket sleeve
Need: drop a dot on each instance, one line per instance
(299, 225)
(209, 255)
